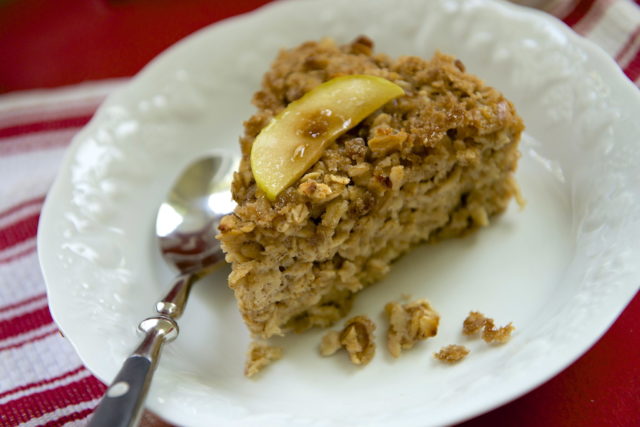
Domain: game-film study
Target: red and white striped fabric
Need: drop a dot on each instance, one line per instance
(42, 381)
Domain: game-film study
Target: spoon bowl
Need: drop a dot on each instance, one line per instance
(188, 219)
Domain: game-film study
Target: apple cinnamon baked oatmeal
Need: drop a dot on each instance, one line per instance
(434, 163)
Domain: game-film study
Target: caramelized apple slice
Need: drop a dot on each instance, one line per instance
(296, 138)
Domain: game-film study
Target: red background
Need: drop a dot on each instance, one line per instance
(50, 43)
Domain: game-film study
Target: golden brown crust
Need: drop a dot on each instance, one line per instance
(434, 164)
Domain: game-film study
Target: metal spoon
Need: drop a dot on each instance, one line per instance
(186, 226)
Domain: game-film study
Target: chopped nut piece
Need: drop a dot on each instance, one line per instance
(356, 337)
(452, 353)
(473, 323)
(410, 323)
(494, 335)
(259, 356)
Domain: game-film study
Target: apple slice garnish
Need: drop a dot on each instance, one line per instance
(295, 139)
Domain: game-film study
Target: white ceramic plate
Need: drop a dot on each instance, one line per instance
(561, 270)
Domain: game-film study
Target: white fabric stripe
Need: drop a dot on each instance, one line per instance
(20, 279)
(28, 175)
(615, 27)
(61, 412)
(21, 213)
(45, 113)
(632, 51)
(588, 21)
(561, 7)
(32, 390)
(79, 423)
(554, 7)
(41, 98)
(37, 141)
(21, 247)
(49, 357)
(18, 311)
(18, 339)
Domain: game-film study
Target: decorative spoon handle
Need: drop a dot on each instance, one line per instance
(121, 405)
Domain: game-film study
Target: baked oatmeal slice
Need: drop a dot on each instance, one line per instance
(433, 164)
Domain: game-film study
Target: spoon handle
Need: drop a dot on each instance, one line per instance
(121, 405)
(173, 304)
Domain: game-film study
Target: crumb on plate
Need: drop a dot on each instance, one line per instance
(477, 321)
(356, 338)
(473, 323)
(410, 323)
(259, 356)
(452, 353)
(494, 335)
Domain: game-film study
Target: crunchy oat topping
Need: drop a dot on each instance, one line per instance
(473, 323)
(259, 356)
(494, 335)
(356, 338)
(316, 191)
(410, 323)
(477, 321)
(385, 140)
(452, 353)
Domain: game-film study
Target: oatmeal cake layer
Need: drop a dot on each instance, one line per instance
(433, 164)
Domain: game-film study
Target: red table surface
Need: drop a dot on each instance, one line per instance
(46, 43)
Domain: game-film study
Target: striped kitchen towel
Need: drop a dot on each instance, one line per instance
(42, 381)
